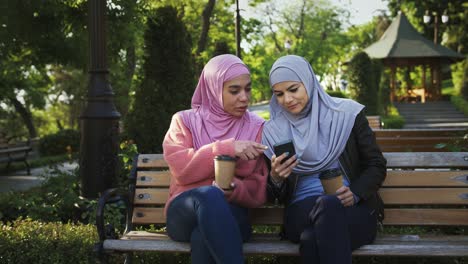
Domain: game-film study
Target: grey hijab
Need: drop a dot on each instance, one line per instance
(320, 132)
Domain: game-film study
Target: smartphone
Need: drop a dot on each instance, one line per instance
(282, 147)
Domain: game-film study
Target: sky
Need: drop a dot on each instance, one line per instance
(362, 11)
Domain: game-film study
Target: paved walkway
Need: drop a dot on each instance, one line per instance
(440, 115)
(19, 180)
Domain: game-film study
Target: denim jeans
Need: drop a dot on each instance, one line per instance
(327, 231)
(214, 227)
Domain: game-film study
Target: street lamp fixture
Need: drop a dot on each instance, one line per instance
(427, 20)
(287, 44)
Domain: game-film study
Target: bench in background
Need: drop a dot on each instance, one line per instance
(432, 140)
(12, 153)
(375, 122)
(421, 189)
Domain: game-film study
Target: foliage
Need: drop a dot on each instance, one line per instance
(338, 94)
(167, 84)
(392, 121)
(51, 202)
(62, 142)
(29, 241)
(364, 79)
(464, 86)
(460, 103)
(384, 94)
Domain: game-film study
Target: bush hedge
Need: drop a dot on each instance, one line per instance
(63, 142)
(460, 103)
(28, 241)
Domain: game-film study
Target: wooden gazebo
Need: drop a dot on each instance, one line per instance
(402, 46)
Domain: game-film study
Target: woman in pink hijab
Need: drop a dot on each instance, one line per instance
(213, 220)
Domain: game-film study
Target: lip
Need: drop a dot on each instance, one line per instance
(242, 108)
(291, 107)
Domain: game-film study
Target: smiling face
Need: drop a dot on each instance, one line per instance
(292, 96)
(236, 95)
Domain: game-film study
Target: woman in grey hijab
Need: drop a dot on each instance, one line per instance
(330, 136)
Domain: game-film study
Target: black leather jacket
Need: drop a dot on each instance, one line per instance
(362, 162)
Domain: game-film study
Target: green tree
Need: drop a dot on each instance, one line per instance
(363, 83)
(167, 82)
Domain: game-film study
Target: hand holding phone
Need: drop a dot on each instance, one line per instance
(284, 146)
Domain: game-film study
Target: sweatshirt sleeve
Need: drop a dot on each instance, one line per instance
(250, 191)
(186, 164)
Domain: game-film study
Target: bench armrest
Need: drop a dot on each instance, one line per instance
(108, 197)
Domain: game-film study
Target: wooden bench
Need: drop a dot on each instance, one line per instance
(430, 140)
(375, 122)
(421, 189)
(12, 153)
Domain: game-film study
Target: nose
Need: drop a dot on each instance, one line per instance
(287, 98)
(243, 96)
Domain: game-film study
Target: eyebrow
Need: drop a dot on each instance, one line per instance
(236, 86)
(287, 88)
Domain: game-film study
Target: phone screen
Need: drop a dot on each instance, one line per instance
(282, 147)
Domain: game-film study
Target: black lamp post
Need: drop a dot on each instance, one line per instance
(427, 20)
(238, 33)
(100, 119)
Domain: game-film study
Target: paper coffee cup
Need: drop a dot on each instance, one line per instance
(331, 180)
(225, 167)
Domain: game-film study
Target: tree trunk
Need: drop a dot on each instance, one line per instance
(207, 12)
(25, 115)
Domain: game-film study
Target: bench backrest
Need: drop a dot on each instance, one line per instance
(374, 122)
(420, 189)
(430, 140)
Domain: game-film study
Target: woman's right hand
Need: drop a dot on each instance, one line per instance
(279, 172)
(248, 150)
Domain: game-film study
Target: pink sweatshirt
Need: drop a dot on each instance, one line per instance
(194, 168)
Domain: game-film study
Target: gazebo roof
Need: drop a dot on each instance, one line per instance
(402, 41)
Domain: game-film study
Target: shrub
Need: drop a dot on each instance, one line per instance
(460, 103)
(393, 121)
(364, 79)
(63, 142)
(53, 201)
(167, 83)
(28, 241)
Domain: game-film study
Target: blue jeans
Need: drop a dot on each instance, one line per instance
(214, 227)
(327, 231)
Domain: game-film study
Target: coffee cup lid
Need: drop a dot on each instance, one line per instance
(224, 158)
(332, 173)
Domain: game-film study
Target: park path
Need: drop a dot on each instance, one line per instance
(441, 114)
(20, 181)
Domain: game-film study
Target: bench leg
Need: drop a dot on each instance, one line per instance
(28, 169)
(7, 168)
(128, 258)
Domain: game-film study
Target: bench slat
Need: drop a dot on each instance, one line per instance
(153, 178)
(151, 161)
(384, 245)
(394, 178)
(274, 216)
(446, 132)
(394, 160)
(426, 178)
(424, 196)
(391, 196)
(427, 159)
(426, 217)
(151, 196)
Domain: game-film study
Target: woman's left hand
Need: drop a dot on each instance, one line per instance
(345, 195)
(226, 192)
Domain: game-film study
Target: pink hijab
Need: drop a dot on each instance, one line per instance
(207, 119)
